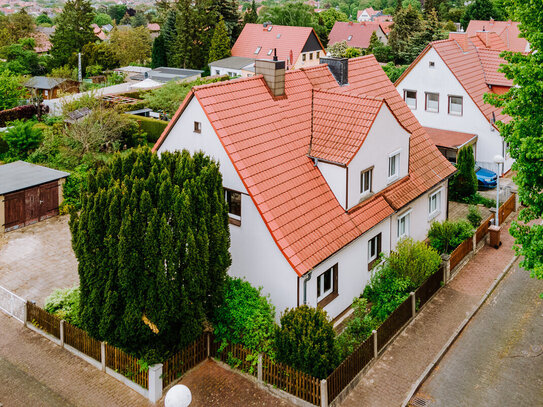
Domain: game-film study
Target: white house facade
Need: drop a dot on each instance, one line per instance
(440, 98)
(304, 228)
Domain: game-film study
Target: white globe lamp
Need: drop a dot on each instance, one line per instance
(178, 396)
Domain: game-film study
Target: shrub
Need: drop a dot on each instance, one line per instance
(22, 138)
(64, 303)
(246, 317)
(19, 113)
(358, 328)
(386, 292)
(479, 199)
(474, 216)
(152, 127)
(305, 341)
(414, 261)
(464, 183)
(447, 235)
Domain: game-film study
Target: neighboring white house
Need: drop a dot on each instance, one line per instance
(445, 86)
(233, 66)
(323, 169)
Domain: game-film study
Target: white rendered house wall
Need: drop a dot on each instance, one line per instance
(439, 79)
(255, 256)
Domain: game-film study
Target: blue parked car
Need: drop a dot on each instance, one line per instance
(486, 178)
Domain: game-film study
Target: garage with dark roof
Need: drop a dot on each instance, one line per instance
(28, 193)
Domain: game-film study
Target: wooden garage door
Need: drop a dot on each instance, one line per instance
(48, 200)
(32, 205)
(14, 206)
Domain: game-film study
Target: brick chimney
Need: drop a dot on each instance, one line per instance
(339, 68)
(274, 74)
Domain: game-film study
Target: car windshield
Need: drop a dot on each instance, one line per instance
(477, 168)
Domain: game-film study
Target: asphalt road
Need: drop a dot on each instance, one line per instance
(498, 359)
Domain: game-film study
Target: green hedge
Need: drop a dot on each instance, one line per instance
(152, 127)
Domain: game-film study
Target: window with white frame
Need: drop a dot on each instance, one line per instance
(374, 248)
(327, 284)
(366, 177)
(393, 165)
(434, 204)
(410, 97)
(403, 225)
(432, 102)
(456, 105)
(270, 51)
(233, 199)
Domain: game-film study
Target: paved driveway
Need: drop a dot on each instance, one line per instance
(36, 259)
(497, 359)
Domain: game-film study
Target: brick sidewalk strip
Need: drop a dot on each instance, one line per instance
(389, 381)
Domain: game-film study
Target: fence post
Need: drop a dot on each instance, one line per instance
(61, 333)
(259, 369)
(103, 355)
(155, 382)
(474, 241)
(413, 304)
(375, 348)
(324, 393)
(25, 313)
(446, 263)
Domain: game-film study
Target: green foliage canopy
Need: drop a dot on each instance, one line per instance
(220, 43)
(464, 182)
(447, 235)
(22, 137)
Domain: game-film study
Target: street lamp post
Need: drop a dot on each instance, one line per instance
(498, 159)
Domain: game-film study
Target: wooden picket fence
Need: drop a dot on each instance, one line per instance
(292, 381)
(460, 252)
(127, 365)
(429, 287)
(42, 319)
(349, 368)
(482, 230)
(238, 357)
(80, 340)
(507, 208)
(394, 323)
(178, 364)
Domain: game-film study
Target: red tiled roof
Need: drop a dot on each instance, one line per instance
(267, 141)
(369, 10)
(154, 27)
(448, 138)
(508, 31)
(360, 33)
(489, 40)
(474, 68)
(291, 40)
(42, 42)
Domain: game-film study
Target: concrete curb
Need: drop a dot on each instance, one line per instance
(456, 333)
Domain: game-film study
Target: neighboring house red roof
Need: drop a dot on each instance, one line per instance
(488, 40)
(368, 10)
(268, 139)
(448, 138)
(360, 33)
(383, 19)
(43, 44)
(474, 68)
(508, 31)
(153, 27)
(286, 39)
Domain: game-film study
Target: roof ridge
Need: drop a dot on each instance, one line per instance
(349, 94)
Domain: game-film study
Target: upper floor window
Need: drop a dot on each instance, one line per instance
(456, 105)
(403, 225)
(434, 204)
(303, 57)
(258, 50)
(197, 127)
(327, 286)
(432, 102)
(318, 55)
(365, 181)
(233, 199)
(310, 56)
(410, 97)
(374, 248)
(393, 165)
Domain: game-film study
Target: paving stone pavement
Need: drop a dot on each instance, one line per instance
(496, 361)
(37, 259)
(36, 372)
(213, 385)
(388, 382)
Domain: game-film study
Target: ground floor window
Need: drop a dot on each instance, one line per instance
(327, 286)
(403, 225)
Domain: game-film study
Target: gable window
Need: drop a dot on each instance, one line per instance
(393, 165)
(310, 56)
(434, 204)
(403, 225)
(318, 55)
(258, 50)
(410, 97)
(303, 57)
(327, 287)
(456, 105)
(349, 38)
(366, 177)
(432, 102)
(374, 248)
(197, 127)
(233, 199)
(432, 64)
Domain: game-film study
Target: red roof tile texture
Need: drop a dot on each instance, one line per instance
(287, 40)
(448, 138)
(360, 33)
(508, 31)
(268, 139)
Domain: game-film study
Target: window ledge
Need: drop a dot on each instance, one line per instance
(434, 215)
(328, 299)
(365, 196)
(235, 222)
(392, 179)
